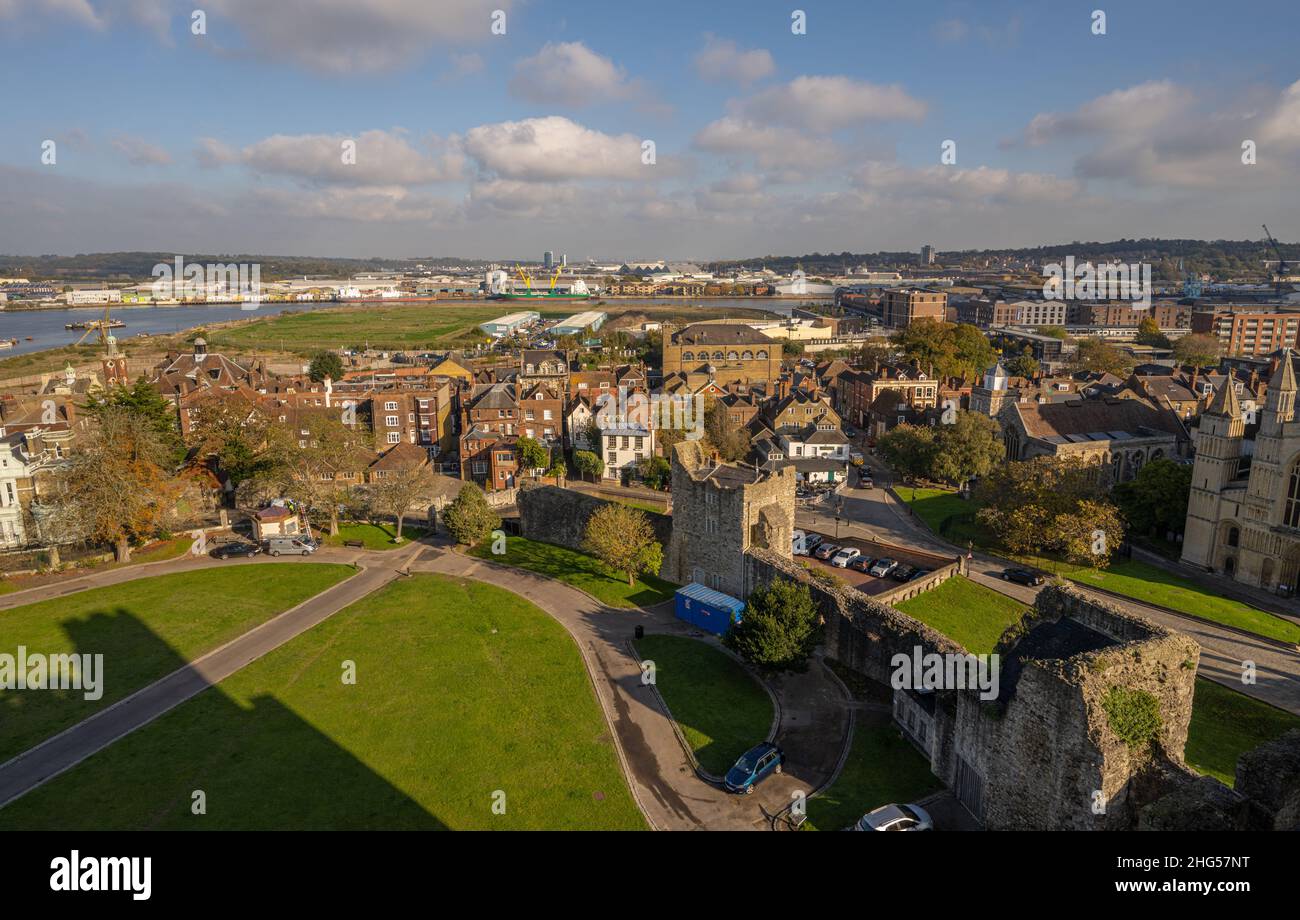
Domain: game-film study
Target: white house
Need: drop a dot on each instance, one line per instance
(624, 446)
(823, 440)
(578, 423)
(16, 473)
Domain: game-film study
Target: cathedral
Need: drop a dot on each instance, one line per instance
(1243, 515)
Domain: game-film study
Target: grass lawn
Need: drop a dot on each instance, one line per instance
(882, 769)
(463, 691)
(648, 507)
(375, 536)
(581, 571)
(1144, 582)
(970, 614)
(145, 629)
(721, 710)
(1131, 578)
(1225, 724)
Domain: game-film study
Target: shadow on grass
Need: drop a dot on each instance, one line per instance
(259, 768)
(580, 571)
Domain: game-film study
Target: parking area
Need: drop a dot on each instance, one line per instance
(870, 584)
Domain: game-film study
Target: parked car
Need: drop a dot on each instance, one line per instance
(903, 573)
(291, 545)
(753, 765)
(862, 564)
(235, 550)
(882, 567)
(919, 573)
(1023, 577)
(825, 551)
(896, 818)
(812, 541)
(844, 556)
(866, 482)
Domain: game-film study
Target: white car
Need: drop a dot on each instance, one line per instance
(896, 818)
(846, 555)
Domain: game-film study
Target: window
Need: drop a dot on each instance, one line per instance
(394, 437)
(391, 421)
(1291, 517)
(390, 406)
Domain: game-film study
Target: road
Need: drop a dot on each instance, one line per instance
(876, 514)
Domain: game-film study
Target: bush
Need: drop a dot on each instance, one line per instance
(1133, 715)
(778, 629)
(469, 518)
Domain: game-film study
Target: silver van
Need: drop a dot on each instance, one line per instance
(300, 545)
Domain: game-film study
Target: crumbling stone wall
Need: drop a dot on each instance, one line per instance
(554, 515)
(1270, 777)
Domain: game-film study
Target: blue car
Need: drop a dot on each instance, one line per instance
(752, 766)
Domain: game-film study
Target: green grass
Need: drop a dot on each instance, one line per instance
(721, 710)
(580, 571)
(1144, 582)
(642, 506)
(1131, 578)
(882, 769)
(462, 690)
(145, 629)
(375, 536)
(968, 613)
(1225, 724)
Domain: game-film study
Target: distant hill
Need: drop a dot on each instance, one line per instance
(123, 267)
(1220, 258)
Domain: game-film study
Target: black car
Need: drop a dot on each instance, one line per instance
(903, 573)
(919, 573)
(235, 550)
(1023, 577)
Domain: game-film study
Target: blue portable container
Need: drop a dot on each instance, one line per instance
(708, 609)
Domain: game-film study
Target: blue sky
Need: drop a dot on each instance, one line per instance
(475, 144)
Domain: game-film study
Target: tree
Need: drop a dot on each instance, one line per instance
(1056, 332)
(655, 472)
(117, 488)
(532, 454)
(1155, 502)
(229, 427)
(1023, 365)
(970, 446)
(729, 440)
(950, 349)
(588, 464)
(1198, 349)
(143, 401)
(909, 449)
(1149, 333)
(778, 629)
(1098, 356)
(621, 537)
(309, 455)
(325, 364)
(1051, 505)
(395, 493)
(469, 517)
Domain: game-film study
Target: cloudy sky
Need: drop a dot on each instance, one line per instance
(470, 142)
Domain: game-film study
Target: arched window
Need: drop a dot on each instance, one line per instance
(717, 356)
(747, 355)
(762, 356)
(1291, 516)
(688, 356)
(1234, 536)
(732, 356)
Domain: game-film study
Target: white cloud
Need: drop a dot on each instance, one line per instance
(570, 74)
(982, 184)
(830, 103)
(771, 147)
(382, 158)
(140, 152)
(721, 59)
(1134, 110)
(551, 148)
(79, 11)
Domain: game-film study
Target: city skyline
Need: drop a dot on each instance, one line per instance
(476, 144)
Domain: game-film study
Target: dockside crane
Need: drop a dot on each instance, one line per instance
(1283, 267)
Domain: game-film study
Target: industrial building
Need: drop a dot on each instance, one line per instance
(578, 323)
(510, 323)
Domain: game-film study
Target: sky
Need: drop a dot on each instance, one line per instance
(633, 131)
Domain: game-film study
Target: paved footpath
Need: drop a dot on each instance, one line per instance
(65, 750)
(813, 730)
(876, 513)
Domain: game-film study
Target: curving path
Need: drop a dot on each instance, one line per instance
(814, 718)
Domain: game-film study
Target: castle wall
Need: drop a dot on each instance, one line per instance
(554, 515)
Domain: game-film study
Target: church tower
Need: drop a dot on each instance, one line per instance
(992, 396)
(1267, 477)
(1218, 454)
